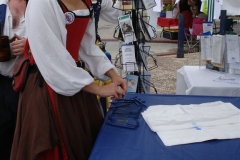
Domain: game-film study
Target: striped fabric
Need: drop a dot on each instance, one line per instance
(210, 10)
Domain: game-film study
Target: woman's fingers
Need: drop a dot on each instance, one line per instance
(18, 46)
(120, 92)
(112, 90)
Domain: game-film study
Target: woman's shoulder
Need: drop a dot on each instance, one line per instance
(42, 2)
(3, 2)
(42, 5)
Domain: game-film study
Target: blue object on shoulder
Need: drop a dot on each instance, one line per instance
(108, 55)
(3, 8)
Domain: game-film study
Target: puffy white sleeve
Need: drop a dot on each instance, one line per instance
(108, 13)
(96, 61)
(45, 25)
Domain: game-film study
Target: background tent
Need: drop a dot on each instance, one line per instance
(232, 7)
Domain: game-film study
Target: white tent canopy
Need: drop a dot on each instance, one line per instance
(232, 7)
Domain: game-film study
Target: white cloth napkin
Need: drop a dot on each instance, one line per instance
(182, 124)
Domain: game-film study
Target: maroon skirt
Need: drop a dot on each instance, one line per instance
(37, 128)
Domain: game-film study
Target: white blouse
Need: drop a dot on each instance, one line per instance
(45, 25)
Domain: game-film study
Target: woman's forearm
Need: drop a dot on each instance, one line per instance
(111, 73)
(92, 88)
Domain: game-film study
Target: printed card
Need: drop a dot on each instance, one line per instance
(132, 81)
(127, 30)
(149, 4)
(128, 58)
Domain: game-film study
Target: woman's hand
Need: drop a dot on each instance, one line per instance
(117, 89)
(18, 45)
(116, 79)
(119, 81)
(110, 90)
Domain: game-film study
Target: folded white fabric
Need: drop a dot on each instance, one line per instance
(182, 124)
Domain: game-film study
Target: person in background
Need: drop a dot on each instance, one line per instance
(105, 10)
(13, 26)
(108, 11)
(59, 116)
(184, 8)
(195, 7)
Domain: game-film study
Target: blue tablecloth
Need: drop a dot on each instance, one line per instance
(117, 143)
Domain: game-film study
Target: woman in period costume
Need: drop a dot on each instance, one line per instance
(59, 115)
